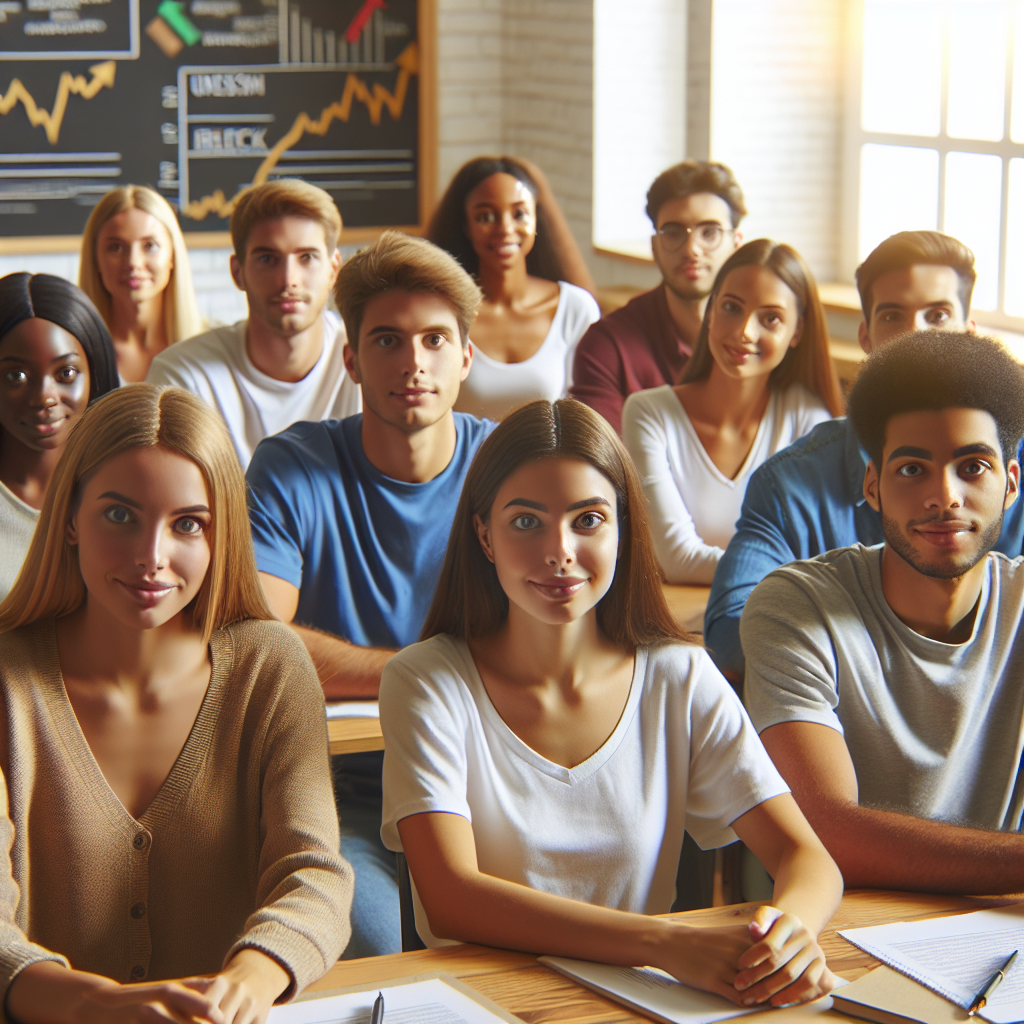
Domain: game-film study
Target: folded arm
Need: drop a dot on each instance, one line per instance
(463, 903)
(884, 849)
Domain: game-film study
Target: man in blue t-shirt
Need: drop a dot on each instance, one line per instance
(809, 498)
(350, 518)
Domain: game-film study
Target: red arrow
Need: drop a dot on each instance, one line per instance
(359, 21)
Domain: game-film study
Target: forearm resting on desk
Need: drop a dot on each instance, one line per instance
(884, 849)
(463, 903)
(346, 670)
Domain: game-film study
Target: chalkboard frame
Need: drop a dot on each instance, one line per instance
(426, 15)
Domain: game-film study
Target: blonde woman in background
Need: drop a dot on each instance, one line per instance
(135, 269)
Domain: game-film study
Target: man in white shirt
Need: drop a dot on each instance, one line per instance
(886, 681)
(285, 363)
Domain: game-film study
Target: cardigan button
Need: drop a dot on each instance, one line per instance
(141, 841)
(138, 972)
(138, 911)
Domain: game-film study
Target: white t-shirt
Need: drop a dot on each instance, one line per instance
(608, 831)
(17, 524)
(935, 730)
(694, 505)
(493, 389)
(216, 367)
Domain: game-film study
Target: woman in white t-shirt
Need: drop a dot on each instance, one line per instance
(759, 378)
(551, 739)
(500, 220)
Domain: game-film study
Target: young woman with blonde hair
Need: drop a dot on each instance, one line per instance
(168, 825)
(134, 266)
(760, 377)
(554, 733)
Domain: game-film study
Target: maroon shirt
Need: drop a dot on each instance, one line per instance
(635, 348)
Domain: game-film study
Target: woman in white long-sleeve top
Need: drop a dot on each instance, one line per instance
(760, 378)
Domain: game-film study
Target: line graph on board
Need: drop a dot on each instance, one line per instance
(68, 85)
(356, 90)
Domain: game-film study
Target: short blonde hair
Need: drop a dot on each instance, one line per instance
(143, 416)
(404, 263)
(286, 197)
(181, 314)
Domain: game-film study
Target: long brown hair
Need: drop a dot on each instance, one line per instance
(469, 600)
(810, 363)
(143, 416)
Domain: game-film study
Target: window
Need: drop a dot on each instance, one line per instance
(639, 114)
(935, 136)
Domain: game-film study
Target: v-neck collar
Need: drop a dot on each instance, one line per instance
(186, 765)
(747, 467)
(498, 726)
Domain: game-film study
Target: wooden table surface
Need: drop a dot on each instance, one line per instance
(355, 735)
(538, 995)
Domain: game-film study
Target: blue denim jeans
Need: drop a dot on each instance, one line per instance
(376, 916)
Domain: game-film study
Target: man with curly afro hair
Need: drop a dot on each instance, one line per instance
(887, 682)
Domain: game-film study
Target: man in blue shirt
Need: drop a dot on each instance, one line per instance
(351, 517)
(809, 498)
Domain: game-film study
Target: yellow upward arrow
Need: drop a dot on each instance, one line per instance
(102, 77)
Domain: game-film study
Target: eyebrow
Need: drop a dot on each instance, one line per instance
(909, 451)
(55, 359)
(432, 329)
(739, 298)
(134, 504)
(525, 503)
(979, 448)
(948, 303)
(274, 251)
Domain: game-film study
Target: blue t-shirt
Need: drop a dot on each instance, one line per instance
(803, 501)
(364, 550)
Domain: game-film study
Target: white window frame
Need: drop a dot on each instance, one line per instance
(854, 137)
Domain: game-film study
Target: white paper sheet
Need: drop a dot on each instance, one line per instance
(353, 709)
(431, 1001)
(659, 994)
(955, 956)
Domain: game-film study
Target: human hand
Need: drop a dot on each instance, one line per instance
(706, 958)
(47, 992)
(785, 964)
(245, 990)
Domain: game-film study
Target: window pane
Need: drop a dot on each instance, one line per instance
(902, 83)
(974, 184)
(899, 191)
(1017, 110)
(1013, 281)
(977, 69)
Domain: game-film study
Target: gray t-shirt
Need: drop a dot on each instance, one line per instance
(933, 729)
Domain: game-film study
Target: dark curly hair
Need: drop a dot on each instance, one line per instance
(691, 177)
(447, 228)
(935, 370)
(24, 296)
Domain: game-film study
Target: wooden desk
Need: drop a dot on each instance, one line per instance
(540, 996)
(687, 604)
(354, 735)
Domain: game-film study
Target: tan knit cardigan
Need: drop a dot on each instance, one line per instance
(238, 849)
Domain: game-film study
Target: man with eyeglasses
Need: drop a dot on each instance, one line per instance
(695, 208)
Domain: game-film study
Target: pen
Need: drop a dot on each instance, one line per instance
(377, 1016)
(982, 998)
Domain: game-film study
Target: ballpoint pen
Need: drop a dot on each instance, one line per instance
(377, 1016)
(982, 998)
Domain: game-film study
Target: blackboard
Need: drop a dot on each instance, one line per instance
(199, 98)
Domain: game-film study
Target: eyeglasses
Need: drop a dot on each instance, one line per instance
(707, 236)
